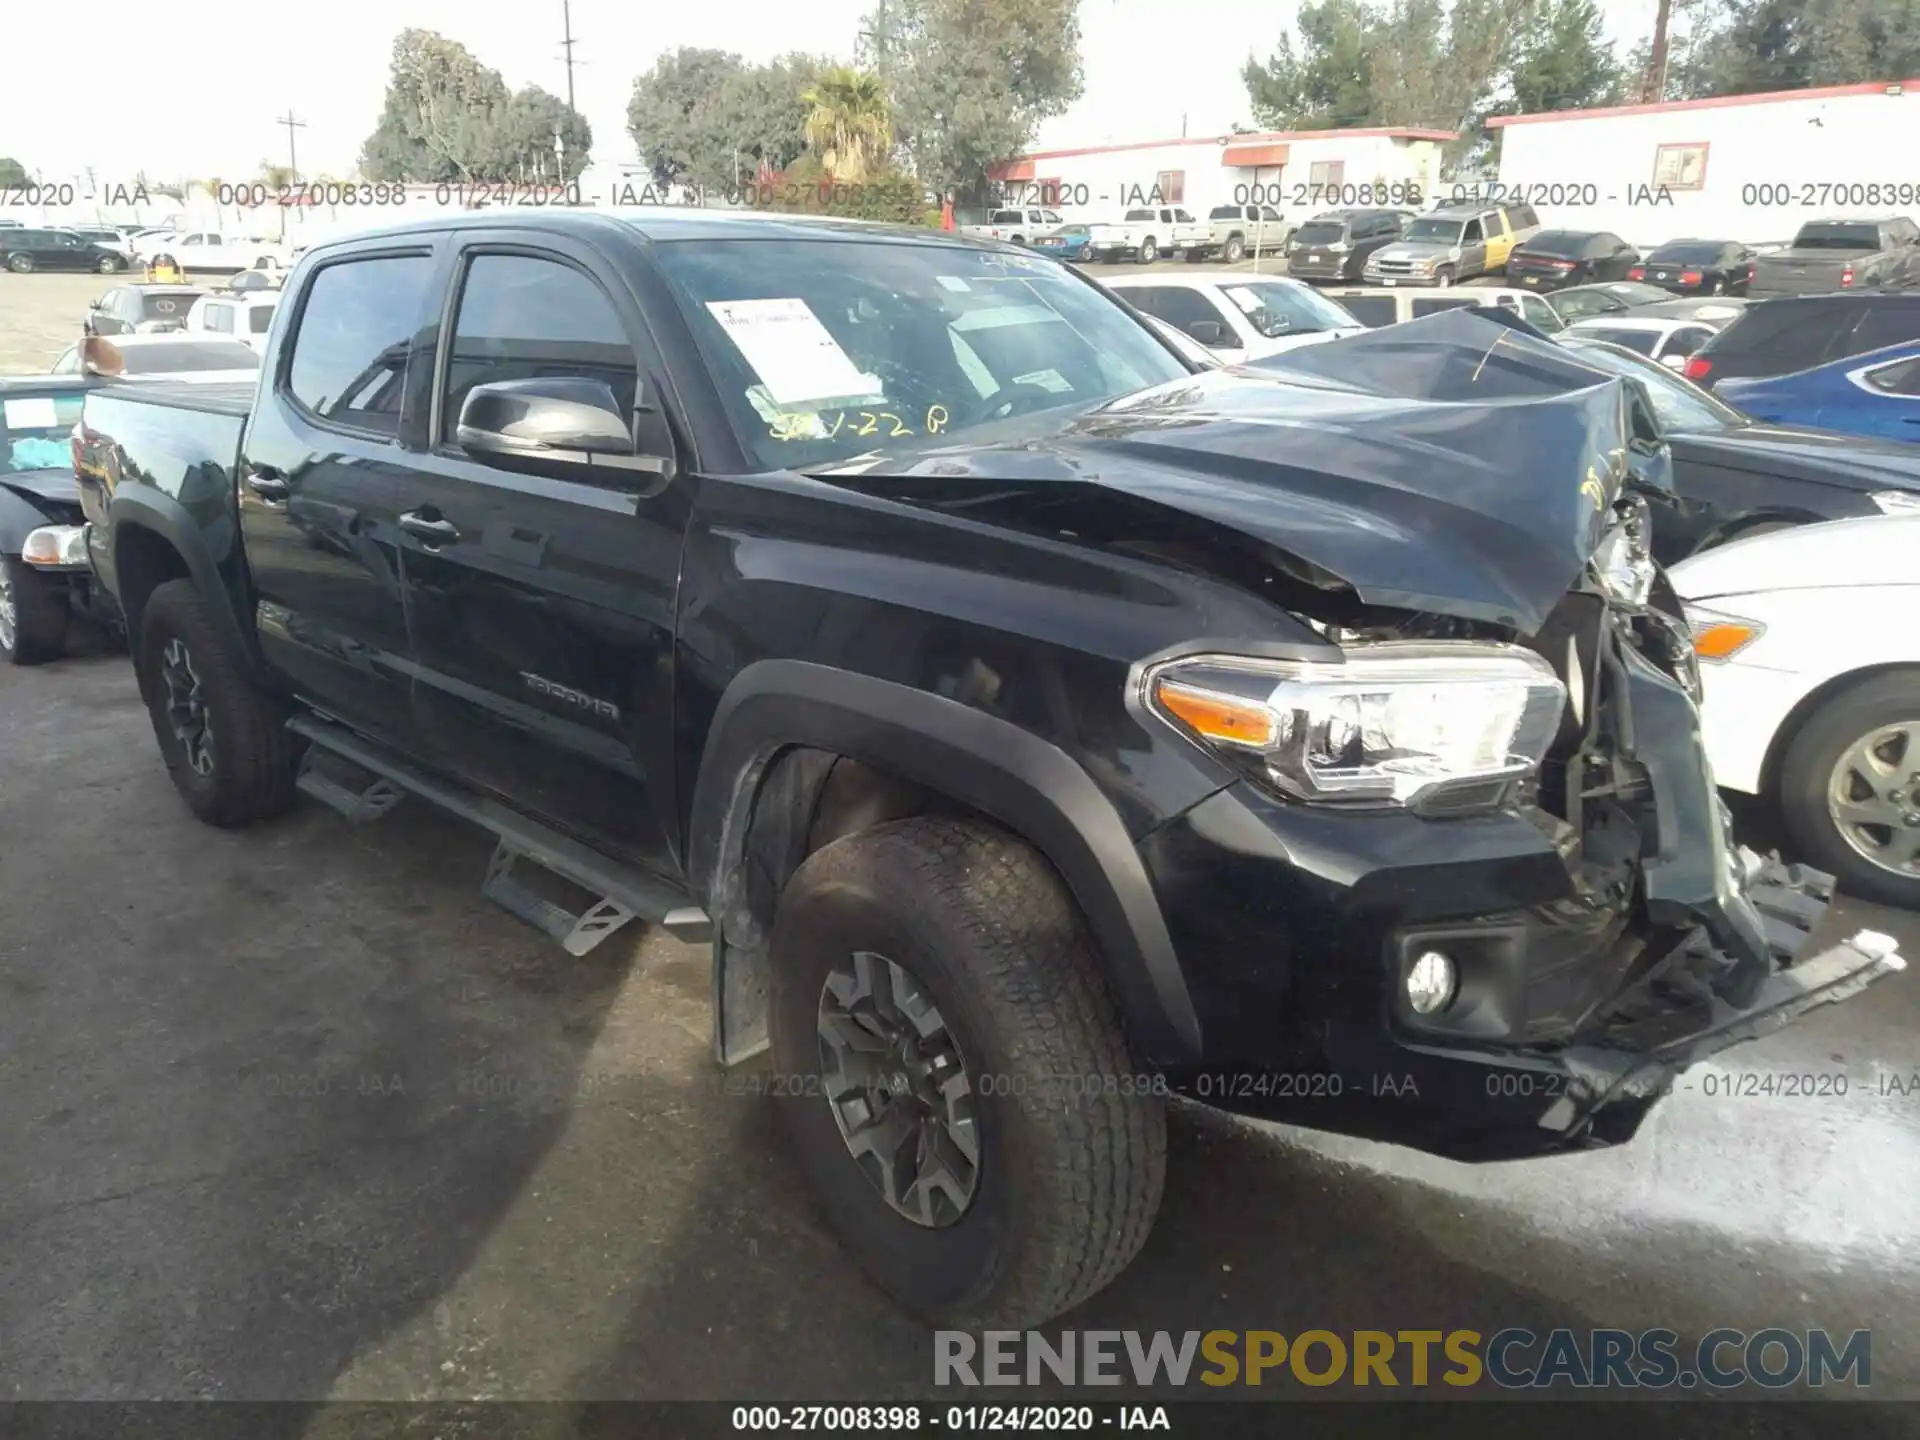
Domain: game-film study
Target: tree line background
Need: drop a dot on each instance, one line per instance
(940, 91)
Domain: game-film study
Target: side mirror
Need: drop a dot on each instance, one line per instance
(563, 422)
(94, 304)
(1207, 332)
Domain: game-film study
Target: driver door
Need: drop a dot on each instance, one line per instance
(540, 603)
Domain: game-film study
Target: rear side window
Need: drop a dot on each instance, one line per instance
(219, 319)
(260, 319)
(1372, 311)
(350, 353)
(1641, 342)
(523, 318)
(1902, 378)
(1793, 336)
(1886, 322)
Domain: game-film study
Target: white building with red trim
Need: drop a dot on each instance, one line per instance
(1297, 172)
(1751, 168)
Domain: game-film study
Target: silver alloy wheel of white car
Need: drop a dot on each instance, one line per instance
(1873, 797)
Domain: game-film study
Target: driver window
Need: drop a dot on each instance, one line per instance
(1471, 234)
(522, 318)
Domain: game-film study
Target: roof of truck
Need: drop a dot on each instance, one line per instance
(672, 222)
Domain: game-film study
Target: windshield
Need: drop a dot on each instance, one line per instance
(1681, 405)
(1274, 309)
(1141, 215)
(1837, 237)
(1584, 300)
(1320, 232)
(35, 432)
(181, 357)
(829, 349)
(1440, 232)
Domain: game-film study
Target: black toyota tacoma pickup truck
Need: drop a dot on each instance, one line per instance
(1036, 724)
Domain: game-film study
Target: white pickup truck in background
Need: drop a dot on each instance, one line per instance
(1146, 234)
(1016, 226)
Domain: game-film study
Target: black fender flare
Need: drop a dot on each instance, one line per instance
(18, 516)
(1026, 783)
(144, 508)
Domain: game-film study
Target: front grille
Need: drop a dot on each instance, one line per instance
(1399, 269)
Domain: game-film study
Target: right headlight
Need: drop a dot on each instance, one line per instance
(1437, 727)
(1897, 502)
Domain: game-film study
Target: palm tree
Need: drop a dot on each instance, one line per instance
(848, 126)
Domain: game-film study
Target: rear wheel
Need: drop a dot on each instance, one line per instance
(108, 265)
(1850, 788)
(20, 264)
(1235, 250)
(1719, 287)
(1149, 251)
(224, 739)
(953, 1076)
(33, 614)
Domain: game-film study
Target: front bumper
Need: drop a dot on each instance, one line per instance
(1590, 973)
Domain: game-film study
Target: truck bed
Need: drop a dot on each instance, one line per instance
(227, 397)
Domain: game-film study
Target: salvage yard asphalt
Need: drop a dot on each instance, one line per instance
(293, 1113)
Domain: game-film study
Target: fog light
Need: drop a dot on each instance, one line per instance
(1431, 983)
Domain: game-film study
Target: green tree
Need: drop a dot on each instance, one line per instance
(1746, 46)
(447, 117)
(1324, 82)
(848, 126)
(12, 172)
(678, 117)
(971, 80)
(760, 113)
(1563, 61)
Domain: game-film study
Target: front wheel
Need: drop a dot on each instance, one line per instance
(1850, 788)
(953, 1076)
(224, 739)
(1719, 287)
(1149, 251)
(33, 614)
(1443, 276)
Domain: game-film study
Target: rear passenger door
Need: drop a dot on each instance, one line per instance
(541, 601)
(320, 481)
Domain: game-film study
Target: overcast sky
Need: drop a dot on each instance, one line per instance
(177, 98)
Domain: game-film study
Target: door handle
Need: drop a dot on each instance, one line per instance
(267, 482)
(432, 531)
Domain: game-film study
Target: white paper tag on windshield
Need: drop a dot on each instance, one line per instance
(1245, 299)
(31, 413)
(953, 282)
(791, 351)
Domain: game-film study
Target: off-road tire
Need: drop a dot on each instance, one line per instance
(253, 753)
(1070, 1176)
(40, 615)
(1807, 767)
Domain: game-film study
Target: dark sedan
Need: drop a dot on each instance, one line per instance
(24, 249)
(1698, 267)
(1556, 259)
(1734, 477)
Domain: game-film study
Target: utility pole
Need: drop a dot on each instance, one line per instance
(293, 158)
(566, 44)
(1655, 88)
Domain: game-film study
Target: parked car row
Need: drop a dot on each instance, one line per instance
(108, 250)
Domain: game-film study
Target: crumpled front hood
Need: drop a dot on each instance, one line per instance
(43, 484)
(1456, 464)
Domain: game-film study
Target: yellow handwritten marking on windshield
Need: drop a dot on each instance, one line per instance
(809, 425)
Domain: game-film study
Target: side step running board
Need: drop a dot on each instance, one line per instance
(624, 893)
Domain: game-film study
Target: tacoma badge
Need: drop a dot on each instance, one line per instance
(569, 696)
